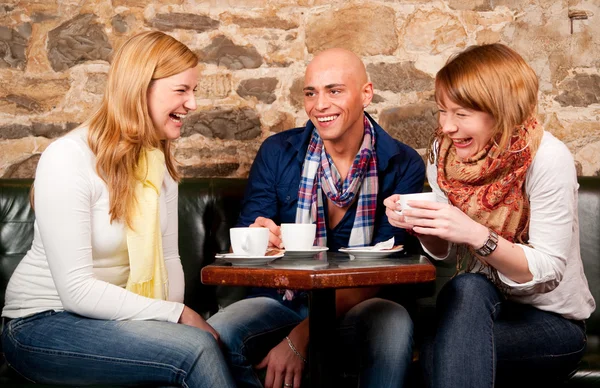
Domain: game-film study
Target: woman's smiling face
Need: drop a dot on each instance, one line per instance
(170, 99)
(470, 130)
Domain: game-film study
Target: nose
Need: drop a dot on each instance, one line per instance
(447, 123)
(322, 102)
(190, 103)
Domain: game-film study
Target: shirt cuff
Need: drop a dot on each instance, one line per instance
(176, 312)
(439, 258)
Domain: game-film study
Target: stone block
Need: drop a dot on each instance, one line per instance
(296, 96)
(413, 124)
(214, 86)
(226, 124)
(76, 41)
(261, 88)
(365, 29)
(399, 77)
(183, 21)
(580, 90)
(209, 168)
(13, 45)
(223, 52)
(434, 32)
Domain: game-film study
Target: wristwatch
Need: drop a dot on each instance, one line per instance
(489, 246)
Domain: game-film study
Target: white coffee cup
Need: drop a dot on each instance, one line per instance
(404, 198)
(298, 237)
(249, 241)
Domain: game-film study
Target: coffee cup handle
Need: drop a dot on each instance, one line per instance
(247, 244)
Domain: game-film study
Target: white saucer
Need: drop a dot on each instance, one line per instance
(306, 252)
(244, 260)
(365, 253)
(299, 264)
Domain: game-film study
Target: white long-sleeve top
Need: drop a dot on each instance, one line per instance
(78, 260)
(559, 284)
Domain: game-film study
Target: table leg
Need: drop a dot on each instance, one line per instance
(321, 323)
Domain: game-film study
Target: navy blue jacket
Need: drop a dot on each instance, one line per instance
(274, 179)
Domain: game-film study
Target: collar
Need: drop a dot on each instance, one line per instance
(386, 146)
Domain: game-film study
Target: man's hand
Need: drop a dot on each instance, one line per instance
(283, 367)
(191, 318)
(274, 229)
(391, 207)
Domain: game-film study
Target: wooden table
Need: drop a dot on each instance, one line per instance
(321, 285)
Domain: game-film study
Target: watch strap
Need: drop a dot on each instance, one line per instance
(489, 246)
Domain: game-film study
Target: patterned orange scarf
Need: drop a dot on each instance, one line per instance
(490, 186)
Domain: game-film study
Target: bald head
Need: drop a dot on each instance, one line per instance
(339, 60)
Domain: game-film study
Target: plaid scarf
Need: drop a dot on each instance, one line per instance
(491, 189)
(319, 174)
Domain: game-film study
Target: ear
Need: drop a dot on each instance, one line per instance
(367, 94)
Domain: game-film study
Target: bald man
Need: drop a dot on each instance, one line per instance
(335, 172)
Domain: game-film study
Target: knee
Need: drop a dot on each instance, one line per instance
(235, 322)
(467, 292)
(387, 323)
(463, 287)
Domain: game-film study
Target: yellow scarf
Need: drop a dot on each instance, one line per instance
(147, 273)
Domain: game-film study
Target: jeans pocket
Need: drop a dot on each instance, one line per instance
(18, 323)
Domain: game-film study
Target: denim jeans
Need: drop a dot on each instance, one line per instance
(67, 349)
(373, 339)
(483, 340)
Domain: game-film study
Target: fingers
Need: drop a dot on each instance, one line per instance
(426, 205)
(263, 364)
(297, 380)
(278, 381)
(397, 220)
(274, 229)
(390, 202)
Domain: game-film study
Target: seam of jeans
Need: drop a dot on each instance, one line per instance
(17, 372)
(494, 362)
(92, 357)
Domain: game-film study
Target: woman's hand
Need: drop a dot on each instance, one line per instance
(191, 318)
(391, 207)
(446, 222)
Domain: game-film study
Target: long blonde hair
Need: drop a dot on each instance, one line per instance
(122, 127)
(493, 79)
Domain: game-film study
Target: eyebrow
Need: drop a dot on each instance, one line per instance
(330, 86)
(184, 86)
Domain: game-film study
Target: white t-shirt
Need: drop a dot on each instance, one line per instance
(78, 260)
(559, 284)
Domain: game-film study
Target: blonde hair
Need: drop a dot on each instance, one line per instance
(493, 79)
(122, 127)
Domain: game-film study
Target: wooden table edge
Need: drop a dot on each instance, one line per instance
(318, 278)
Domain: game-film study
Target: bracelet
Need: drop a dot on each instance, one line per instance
(296, 352)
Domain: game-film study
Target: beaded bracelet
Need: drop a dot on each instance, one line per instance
(296, 352)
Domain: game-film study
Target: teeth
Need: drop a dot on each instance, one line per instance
(180, 115)
(462, 140)
(328, 118)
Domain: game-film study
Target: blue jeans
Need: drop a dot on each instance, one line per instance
(484, 340)
(67, 349)
(373, 339)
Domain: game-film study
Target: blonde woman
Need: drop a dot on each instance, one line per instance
(98, 299)
(507, 202)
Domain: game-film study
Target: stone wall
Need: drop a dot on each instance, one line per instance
(54, 59)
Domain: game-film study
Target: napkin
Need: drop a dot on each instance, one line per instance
(381, 246)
